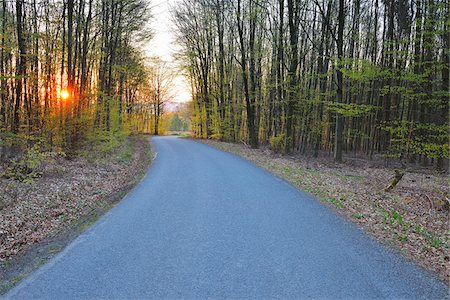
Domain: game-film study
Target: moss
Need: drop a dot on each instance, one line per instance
(54, 250)
(19, 278)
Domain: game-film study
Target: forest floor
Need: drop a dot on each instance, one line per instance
(413, 218)
(39, 218)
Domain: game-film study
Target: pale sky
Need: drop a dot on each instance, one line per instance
(163, 44)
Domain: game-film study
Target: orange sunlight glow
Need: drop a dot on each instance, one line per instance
(64, 94)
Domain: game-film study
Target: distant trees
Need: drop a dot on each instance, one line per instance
(179, 118)
(69, 71)
(345, 76)
(160, 83)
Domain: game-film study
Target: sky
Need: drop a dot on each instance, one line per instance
(163, 45)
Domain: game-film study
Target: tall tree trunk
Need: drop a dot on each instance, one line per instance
(21, 71)
(339, 137)
(2, 69)
(250, 108)
(292, 73)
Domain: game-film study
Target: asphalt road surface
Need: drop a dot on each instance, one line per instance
(207, 224)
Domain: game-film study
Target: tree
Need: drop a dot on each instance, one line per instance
(286, 69)
(160, 83)
(55, 58)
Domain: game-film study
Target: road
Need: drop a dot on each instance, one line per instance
(207, 224)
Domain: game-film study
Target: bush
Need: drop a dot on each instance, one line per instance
(100, 143)
(277, 143)
(216, 136)
(29, 166)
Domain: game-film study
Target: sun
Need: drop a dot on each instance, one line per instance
(64, 94)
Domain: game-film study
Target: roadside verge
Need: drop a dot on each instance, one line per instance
(43, 216)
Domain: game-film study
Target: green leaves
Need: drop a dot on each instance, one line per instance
(395, 89)
(427, 139)
(350, 109)
(277, 143)
(13, 77)
(29, 166)
(361, 70)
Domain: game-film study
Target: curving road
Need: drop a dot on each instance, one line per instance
(207, 224)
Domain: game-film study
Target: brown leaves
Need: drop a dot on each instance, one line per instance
(67, 190)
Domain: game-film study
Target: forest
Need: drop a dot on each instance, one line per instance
(74, 77)
(344, 102)
(368, 77)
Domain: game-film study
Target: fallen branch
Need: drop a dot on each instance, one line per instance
(431, 202)
(398, 176)
(243, 142)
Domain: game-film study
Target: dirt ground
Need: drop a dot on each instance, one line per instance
(67, 192)
(412, 218)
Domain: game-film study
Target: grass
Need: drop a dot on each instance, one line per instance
(337, 203)
(358, 216)
(13, 282)
(125, 153)
(54, 250)
(84, 223)
(5, 264)
(41, 262)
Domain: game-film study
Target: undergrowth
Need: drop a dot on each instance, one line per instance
(27, 156)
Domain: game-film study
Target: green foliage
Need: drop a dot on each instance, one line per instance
(336, 202)
(357, 133)
(433, 240)
(178, 124)
(216, 136)
(277, 143)
(358, 215)
(394, 218)
(426, 139)
(350, 109)
(125, 154)
(98, 142)
(397, 216)
(101, 143)
(29, 166)
(395, 89)
(403, 238)
(361, 70)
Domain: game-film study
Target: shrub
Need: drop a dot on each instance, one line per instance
(216, 136)
(277, 143)
(29, 166)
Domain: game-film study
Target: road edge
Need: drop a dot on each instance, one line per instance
(39, 254)
(385, 243)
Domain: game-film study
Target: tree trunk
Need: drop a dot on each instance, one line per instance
(21, 71)
(339, 138)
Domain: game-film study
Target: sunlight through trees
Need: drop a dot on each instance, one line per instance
(72, 73)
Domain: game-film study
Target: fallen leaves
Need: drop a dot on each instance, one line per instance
(67, 190)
